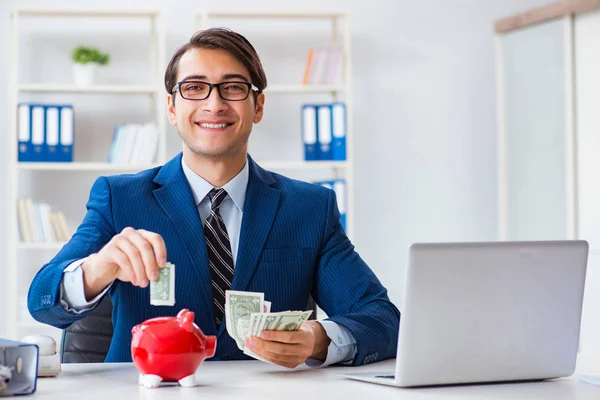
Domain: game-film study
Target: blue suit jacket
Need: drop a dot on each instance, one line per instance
(291, 245)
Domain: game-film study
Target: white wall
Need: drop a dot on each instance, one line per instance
(424, 97)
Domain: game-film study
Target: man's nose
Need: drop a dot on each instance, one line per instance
(214, 103)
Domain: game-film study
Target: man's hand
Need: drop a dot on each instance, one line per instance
(291, 348)
(131, 256)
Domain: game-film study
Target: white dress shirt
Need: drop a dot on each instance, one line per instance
(343, 345)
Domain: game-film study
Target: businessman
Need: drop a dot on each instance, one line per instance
(225, 223)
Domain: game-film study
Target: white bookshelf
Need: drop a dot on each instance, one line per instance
(12, 290)
(339, 36)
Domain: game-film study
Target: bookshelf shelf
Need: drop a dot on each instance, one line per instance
(40, 245)
(274, 14)
(106, 167)
(80, 13)
(69, 88)
(82, 166)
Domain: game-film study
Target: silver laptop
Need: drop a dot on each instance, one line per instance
(488, 312)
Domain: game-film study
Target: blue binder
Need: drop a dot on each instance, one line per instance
(309, 132)
(24, 132)
(37, 130)
(66, 134)
(324, 132)
(52, 118)
(339, 130)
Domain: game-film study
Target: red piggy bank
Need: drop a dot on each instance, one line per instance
(170, 349)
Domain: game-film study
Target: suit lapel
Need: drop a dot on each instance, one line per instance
(260, 208)
(177, 201)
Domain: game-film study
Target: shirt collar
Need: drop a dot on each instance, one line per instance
(236, 188)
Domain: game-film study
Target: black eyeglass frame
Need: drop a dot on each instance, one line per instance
(211, 86)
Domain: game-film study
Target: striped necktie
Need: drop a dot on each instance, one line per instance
(219, 252)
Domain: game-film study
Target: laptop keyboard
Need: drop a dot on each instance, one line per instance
(386, 376)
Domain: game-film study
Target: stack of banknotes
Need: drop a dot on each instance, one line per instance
(247, 314)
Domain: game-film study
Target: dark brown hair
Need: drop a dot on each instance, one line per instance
(220, 39)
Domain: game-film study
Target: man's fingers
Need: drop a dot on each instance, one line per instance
(284, 349)
(126, 272)
(158, 246)
(126, 244)
(138, 254)
(291, 337)
(146, 250)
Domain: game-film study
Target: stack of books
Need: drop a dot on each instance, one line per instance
(323, 66)
(134, 144)
(39, 223)
(324, 131)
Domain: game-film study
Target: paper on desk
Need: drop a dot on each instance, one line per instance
(593, 379)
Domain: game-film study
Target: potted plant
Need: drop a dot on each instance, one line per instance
(85, 60)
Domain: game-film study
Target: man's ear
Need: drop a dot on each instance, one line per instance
(259, 108)
(171, 110)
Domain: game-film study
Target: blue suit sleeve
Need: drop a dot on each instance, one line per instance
(95, 231)
(350, 293)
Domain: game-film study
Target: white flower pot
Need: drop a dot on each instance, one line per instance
(83, 74)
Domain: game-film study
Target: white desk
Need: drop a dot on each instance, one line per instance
(258, 380)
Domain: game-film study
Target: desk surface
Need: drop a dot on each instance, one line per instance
(258, 380)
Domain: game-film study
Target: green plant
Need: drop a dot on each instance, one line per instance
(84, 55)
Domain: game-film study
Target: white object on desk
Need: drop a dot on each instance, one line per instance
(49, 359)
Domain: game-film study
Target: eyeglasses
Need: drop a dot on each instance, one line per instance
(230, 91)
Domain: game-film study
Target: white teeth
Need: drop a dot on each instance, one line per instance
(213, 126)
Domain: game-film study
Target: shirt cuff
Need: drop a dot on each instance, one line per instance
(342, 348)
(72, 293)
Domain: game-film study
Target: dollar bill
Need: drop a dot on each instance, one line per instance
(162, 290)
(290, 321)
(254, 323)
(255, 319)
(268, 322)
(239, 307)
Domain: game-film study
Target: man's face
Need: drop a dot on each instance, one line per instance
(213, 127)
